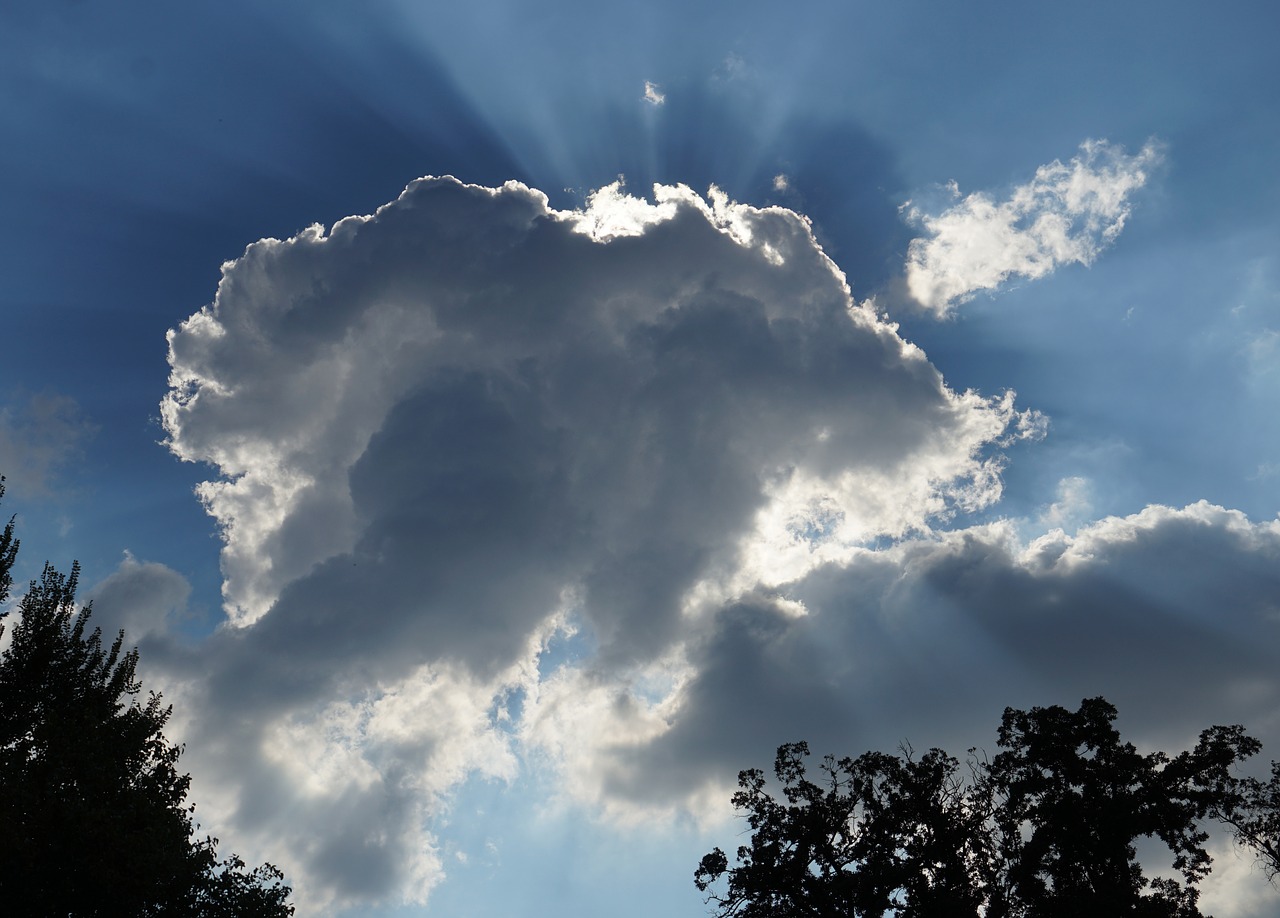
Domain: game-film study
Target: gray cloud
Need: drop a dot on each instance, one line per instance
(143, 598)
(463, 425)
(1171, 614)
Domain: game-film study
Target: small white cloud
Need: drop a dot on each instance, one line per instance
(781, 182)
(652, 94)
(1072, 508)
(1067, 213)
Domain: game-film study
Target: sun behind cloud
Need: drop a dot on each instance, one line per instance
(450, 430)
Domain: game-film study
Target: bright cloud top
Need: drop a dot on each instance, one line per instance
(1067, 213)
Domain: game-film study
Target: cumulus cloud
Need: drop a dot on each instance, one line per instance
(470, 359)
(634, 493)
(1066, 214)
(653, 94)
(455, 432)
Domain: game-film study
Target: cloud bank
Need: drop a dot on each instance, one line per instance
(634, 493)
(1067, 213)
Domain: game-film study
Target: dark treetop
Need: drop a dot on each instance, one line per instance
(1045, 829)
(93, 818)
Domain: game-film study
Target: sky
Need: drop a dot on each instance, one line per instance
(497, 424)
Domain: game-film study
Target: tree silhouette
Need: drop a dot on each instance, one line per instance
(1046, 829)
(93, 819)
(1254, 816)
(1072, 799)
(878, 835)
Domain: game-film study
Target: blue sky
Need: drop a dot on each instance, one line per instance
(536, 513)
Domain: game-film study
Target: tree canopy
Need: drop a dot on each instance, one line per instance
(1045, 829)
(93, 818)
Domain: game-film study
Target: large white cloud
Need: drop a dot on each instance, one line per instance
(634, 493)
(1066, 214)
(450, 431)
(633, 379)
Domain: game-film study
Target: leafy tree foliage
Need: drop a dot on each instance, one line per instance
(1046, 829)
(92, 813)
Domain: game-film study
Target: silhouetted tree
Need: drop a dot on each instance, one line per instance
(1046, 829)
(1254, 816)
(878, 835)
(1072, 798)
(92, 813)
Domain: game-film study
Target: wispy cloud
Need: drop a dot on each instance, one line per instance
(39, 434)
(652, 94)
(1066, 214)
